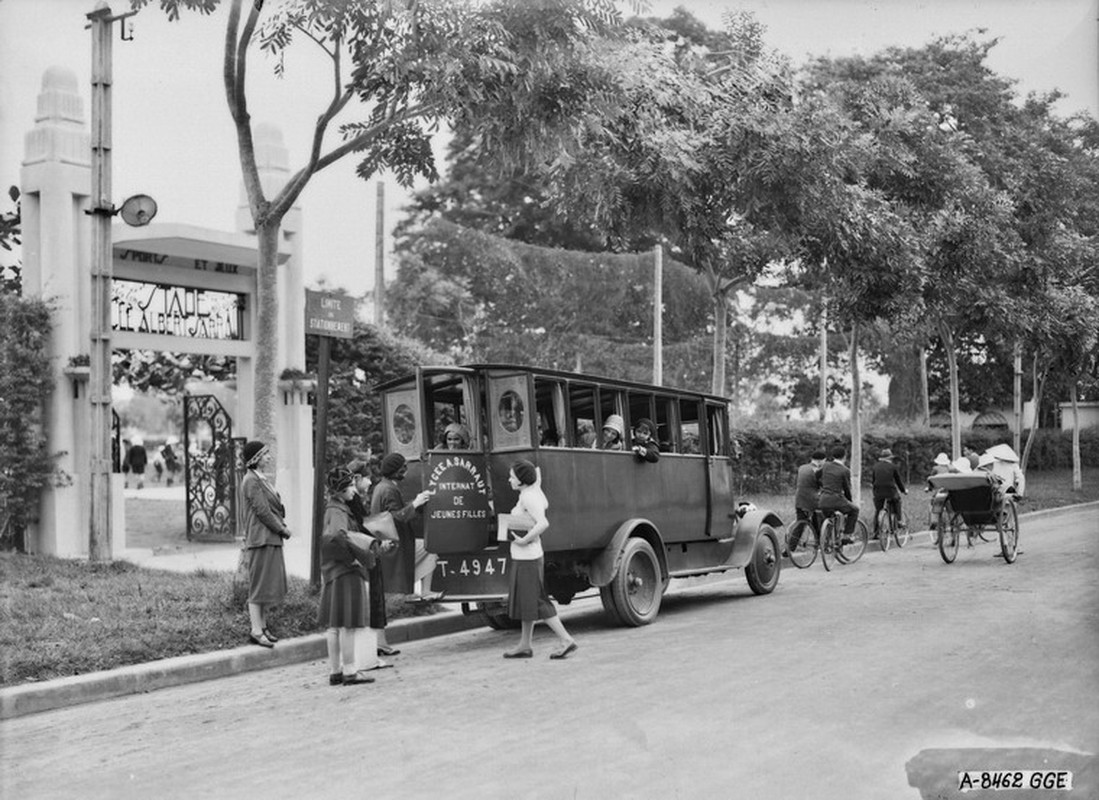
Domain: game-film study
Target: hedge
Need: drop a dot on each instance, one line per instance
(768, 456)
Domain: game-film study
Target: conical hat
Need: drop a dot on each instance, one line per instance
(1002, 452)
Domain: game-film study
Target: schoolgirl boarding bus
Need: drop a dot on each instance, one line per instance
(617, 523)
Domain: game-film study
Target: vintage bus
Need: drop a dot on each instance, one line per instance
(617, 523)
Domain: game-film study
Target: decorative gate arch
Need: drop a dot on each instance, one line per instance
(211, 466)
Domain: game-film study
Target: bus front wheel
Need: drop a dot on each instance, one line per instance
(633, 595)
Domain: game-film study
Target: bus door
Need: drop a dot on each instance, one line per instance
(720, 468)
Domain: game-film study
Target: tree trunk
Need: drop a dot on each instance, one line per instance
(721, 321)
(925, 391)
(1039, 385)
(947, 336)
(1077, 472)
(905, 385)
(823, 360)
(1017, 394)
(856, 418)
(266, 334)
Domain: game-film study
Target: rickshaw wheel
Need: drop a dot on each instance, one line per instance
(638, 586)
(950, 529)
(763, 570)
(1007, 524)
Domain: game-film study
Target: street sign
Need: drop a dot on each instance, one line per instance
(329, 314)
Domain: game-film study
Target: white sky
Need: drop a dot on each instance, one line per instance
(173, 138)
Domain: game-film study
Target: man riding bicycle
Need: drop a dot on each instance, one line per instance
(888, 487)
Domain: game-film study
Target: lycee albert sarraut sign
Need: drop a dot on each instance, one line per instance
(329, 315)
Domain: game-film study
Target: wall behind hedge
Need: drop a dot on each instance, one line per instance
(769, 455)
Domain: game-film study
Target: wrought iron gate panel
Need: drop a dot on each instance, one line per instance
(211, 474)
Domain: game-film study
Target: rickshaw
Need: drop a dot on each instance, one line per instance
(974, 503)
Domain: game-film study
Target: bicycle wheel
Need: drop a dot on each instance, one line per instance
(902, 531)
(885, 529)
(852, 547)
(1008, 526)
(828, 543)
(950, 531)
(801, 544)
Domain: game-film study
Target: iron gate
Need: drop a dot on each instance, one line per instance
(211, 463)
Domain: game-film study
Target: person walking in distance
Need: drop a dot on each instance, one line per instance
(528, 600)
(835, 490)
(139, 459)
(263, 517)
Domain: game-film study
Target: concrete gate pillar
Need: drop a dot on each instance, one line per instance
(56, 182)
(294, 415)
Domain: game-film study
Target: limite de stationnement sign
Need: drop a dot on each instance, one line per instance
(329, 315)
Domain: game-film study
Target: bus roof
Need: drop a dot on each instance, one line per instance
(551, 373)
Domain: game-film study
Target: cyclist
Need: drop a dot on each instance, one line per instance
(806, 494)
(835, 491)
(888, 487)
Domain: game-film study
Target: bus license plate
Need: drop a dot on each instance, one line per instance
(472, 574)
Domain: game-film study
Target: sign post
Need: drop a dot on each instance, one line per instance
(327, 316)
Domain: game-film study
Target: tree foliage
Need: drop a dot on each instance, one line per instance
(518, 74)
(26, 465)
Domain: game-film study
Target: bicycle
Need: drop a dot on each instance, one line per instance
(893, 525)
(804, 538)
(835, 543)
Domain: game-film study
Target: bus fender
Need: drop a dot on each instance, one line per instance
(604, 566)
(746, 532)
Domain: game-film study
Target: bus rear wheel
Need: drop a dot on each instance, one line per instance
(762, 571)
(633, 596)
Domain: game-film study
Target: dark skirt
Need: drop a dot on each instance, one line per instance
(343, 603)
(266, 575)
(527, 598)
(378, 619)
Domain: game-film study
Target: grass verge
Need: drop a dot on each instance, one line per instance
(60, 617)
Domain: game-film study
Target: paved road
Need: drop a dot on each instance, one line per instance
(862, 683)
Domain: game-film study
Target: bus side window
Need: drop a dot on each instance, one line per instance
(718, 434)
(689, 443)
(611, 402)
(582, 413)
(667, 429)
(641, 407)
(549, 400)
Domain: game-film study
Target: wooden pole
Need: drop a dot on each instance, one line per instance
(99, 380)
(320, 457)
(658, 315)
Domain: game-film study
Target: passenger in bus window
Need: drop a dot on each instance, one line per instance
(644, 445)
(547, 436)
(413, 562)
(528, 600)
(690, 444)
(614, 433)
(456, 436)
(585, 434)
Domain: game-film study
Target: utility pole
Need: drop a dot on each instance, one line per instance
(99, 379)
(379, 258)
(658, 315)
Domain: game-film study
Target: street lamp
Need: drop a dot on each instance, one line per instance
(99, 387)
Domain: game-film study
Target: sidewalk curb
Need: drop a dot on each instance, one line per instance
(19, 701)
(33, 698)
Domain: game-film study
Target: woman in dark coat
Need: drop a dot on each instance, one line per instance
(346, 555)
(263, 517)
